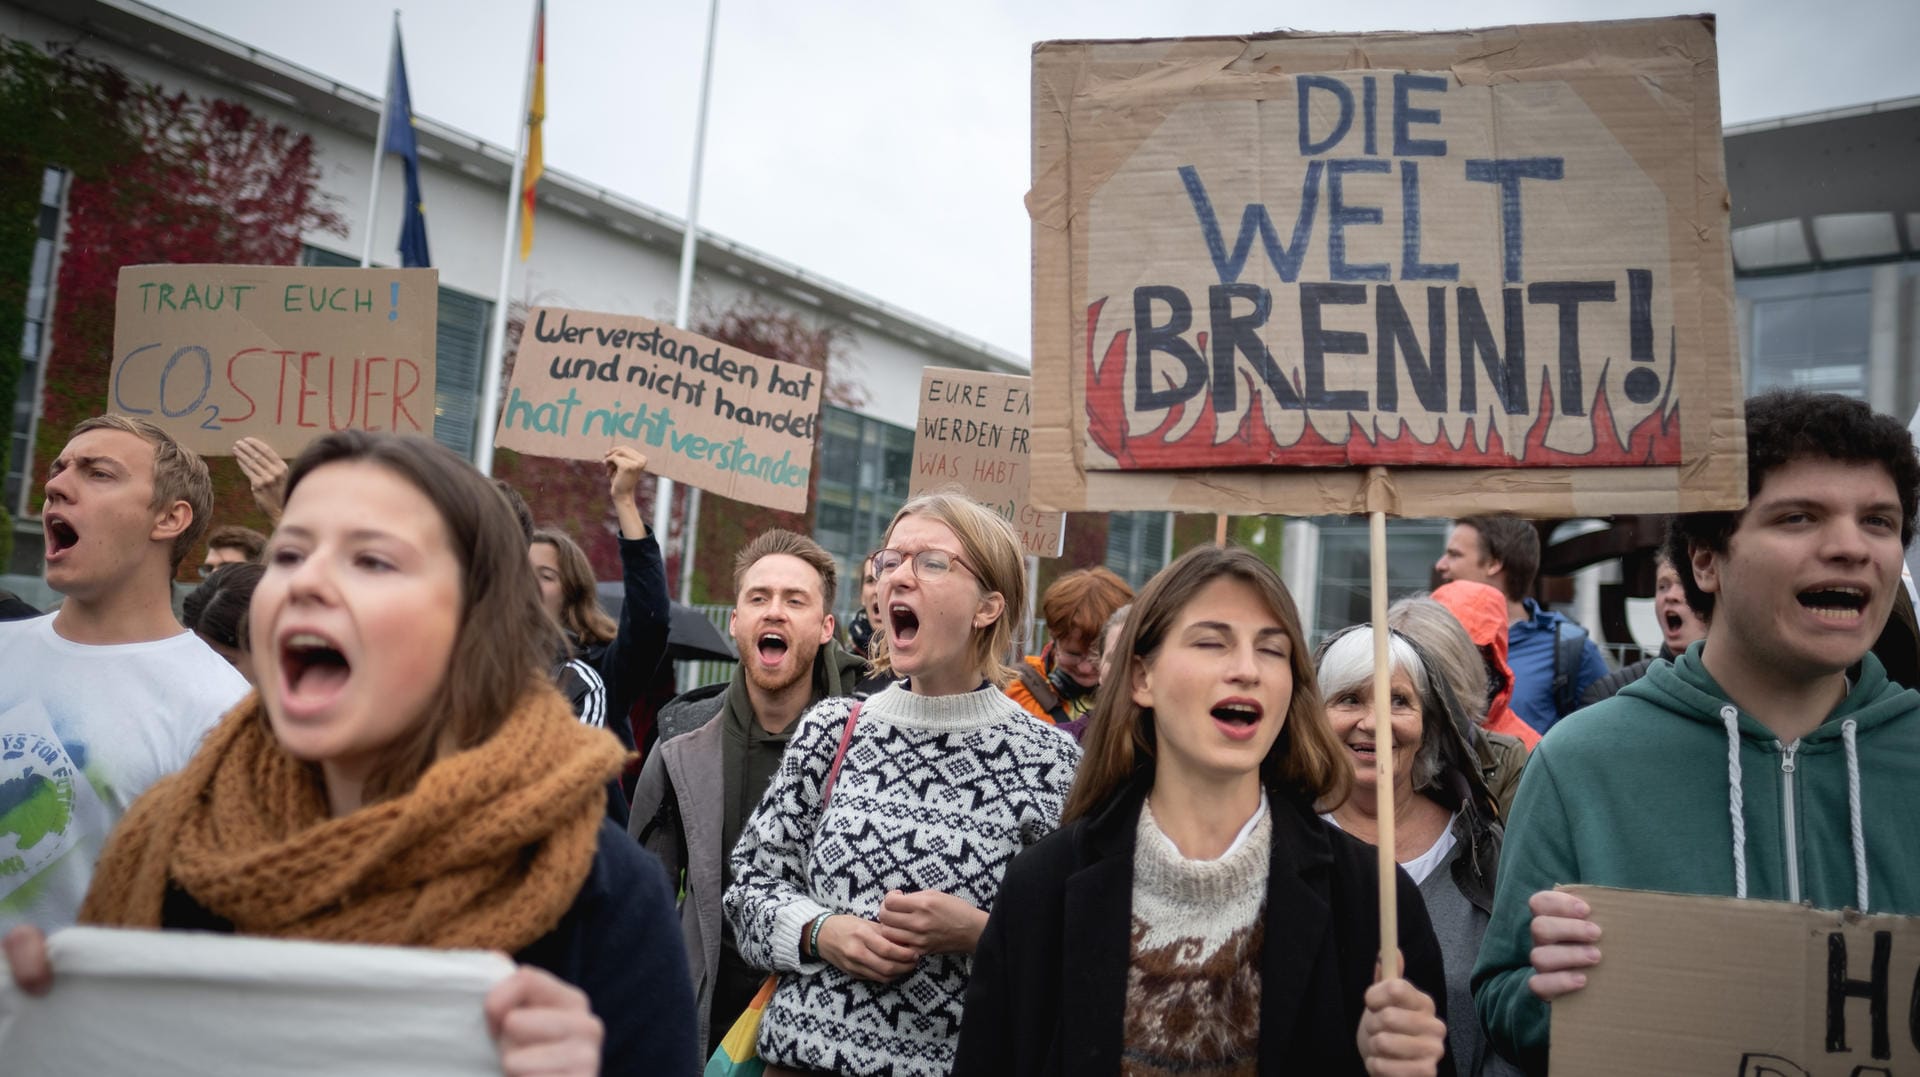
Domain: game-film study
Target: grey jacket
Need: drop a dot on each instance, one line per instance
(685, 834)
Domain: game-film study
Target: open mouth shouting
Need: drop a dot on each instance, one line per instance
(1838, 604)
(1237, 717)
(771, 647)
(314, 671)
(903, 624)
(61, 536)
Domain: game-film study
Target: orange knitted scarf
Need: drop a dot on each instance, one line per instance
(487, 851)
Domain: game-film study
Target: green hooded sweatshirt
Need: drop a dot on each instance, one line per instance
(1635, 792)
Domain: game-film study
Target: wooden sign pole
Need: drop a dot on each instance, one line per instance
(1383, 730)
(1220, 530)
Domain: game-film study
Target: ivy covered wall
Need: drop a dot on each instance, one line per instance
(156, 177)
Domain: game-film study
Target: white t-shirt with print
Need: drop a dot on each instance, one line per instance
(84, 730)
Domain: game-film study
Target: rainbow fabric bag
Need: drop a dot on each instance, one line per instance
(739, 1052)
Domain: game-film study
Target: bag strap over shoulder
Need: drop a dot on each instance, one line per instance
(1042, 692)
(840, 754)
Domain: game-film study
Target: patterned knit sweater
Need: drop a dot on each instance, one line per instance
(1193, 983)
(936, 793)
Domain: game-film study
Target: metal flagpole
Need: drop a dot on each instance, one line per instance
(380, 144)
(663, 499)
(497, 344)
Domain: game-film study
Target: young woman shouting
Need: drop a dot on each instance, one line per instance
(1193, 915)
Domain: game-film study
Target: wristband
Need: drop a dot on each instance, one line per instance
(813, 934)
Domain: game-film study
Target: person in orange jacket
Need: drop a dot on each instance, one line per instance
(1482, 610)
(1056, 685)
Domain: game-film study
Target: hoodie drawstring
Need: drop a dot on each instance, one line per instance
(1736, 800)
(1848, 729)
(1857, 831)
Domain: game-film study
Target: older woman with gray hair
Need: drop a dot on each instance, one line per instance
(1446, 829)
(1451, 653)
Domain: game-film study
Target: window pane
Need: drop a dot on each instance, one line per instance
(1842, 324)
(1345, 589)
(1782, 328)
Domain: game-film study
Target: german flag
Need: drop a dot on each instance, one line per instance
(536, 113)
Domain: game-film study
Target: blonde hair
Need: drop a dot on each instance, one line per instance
(992, 550)
(179, 474)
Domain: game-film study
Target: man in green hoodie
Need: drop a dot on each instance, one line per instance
(1770, 760)
(720, 746)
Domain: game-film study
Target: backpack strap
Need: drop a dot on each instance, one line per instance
(1569, 646)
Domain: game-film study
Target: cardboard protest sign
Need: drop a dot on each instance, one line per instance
(1742, 988)
(705, 414)
(973, 435)
(197, 1004)
(288, 354)
(1494, 261)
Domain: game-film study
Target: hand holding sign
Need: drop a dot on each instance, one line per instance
(543, 1025)
(1564, 944)
(624, 468)
(26, 950)
(266, 474)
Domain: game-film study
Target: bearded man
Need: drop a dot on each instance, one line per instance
(720, 746)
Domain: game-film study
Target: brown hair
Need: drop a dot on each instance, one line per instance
(580, 612)
(779, 541)
(1515, 544)
(217, 609)
(234, 537)
(522, 515)
(1305, 759)
(505, 638)
(1079, 603)
(178, 475)
(989, 547)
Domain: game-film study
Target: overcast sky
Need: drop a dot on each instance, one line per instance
(884, 144)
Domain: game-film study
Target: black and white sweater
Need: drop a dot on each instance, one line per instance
(936, 793)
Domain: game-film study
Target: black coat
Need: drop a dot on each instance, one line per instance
(1049, 987)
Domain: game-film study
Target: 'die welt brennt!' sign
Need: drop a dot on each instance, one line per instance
(1498, 252)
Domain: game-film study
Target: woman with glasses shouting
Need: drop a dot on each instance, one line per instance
(864, 877)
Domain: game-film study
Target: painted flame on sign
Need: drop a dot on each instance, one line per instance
(1655, 438)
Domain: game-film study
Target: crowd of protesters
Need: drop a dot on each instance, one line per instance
(901, 844)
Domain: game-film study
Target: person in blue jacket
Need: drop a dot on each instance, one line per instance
(1553, 659)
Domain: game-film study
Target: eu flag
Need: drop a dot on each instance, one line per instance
(400, 140)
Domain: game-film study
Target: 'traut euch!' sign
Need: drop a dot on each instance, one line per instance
(704, 413)
(215, 353)
(1500, 249)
